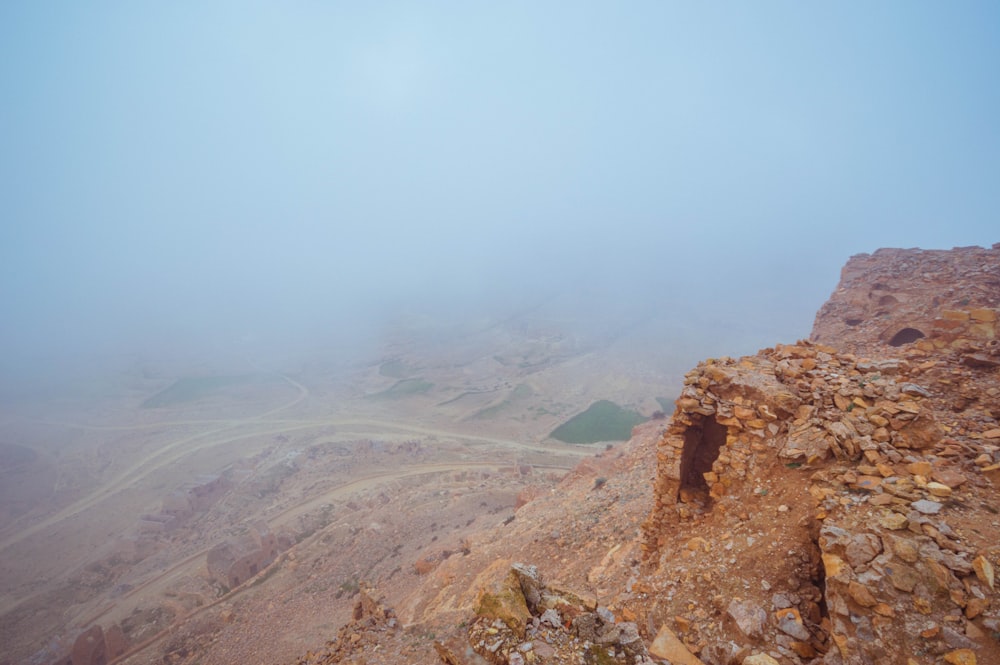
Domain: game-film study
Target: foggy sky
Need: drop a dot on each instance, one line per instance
(192, 173)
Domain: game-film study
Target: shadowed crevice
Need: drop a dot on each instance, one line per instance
(906, 336)
(701, 448)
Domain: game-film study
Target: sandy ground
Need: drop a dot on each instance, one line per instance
(307, 451)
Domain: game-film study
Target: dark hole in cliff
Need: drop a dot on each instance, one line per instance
(853, 322)
(906, 336)
(701, 449)
(819, 575)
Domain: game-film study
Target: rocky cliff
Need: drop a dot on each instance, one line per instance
(896, 297)
(832, 501)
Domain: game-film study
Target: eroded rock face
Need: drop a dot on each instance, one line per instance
(887, 422)
(804, 404)
(896, 297)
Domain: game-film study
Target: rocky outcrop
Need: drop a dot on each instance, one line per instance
(519, 620)
(183, 503)
(96, 646)
(897, 484)
(804, 404)
(896, 297)
(236, 560)
(895, 444)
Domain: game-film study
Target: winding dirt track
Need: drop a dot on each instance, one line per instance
(311, 503)
(224, 431)
(303, 507)
(221, 434)
(131, 474)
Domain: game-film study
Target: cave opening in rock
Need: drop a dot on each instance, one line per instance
(701, 448)
(906, 336)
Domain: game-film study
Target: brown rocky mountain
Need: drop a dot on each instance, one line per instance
(831, 501)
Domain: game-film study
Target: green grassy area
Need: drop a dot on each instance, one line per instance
(404, 388)
(193, 388)
(602, 421)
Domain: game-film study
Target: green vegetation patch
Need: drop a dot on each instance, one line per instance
(602, 421)
(404, 388)
(193, 388)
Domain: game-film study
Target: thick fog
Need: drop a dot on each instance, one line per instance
(192, 177)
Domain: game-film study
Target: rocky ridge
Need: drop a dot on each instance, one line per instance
(880, 510)
(894, 297)
(817, 502)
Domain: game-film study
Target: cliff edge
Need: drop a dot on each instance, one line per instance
(832, 501)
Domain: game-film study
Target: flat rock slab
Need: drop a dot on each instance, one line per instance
(927, 507)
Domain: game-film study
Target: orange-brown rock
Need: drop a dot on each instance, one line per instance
(668, 646)
(90, 648)
(873, 411)
(894, 298)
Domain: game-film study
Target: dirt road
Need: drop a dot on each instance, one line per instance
(221, 433)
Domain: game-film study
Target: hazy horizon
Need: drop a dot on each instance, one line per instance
(182, 178)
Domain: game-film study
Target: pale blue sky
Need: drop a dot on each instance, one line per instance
(197, 170)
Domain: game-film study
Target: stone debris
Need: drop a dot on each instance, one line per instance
(750, 618)
(371, 624)
(960, 657)
(926, 507)
(519, 619)
(984, 570)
